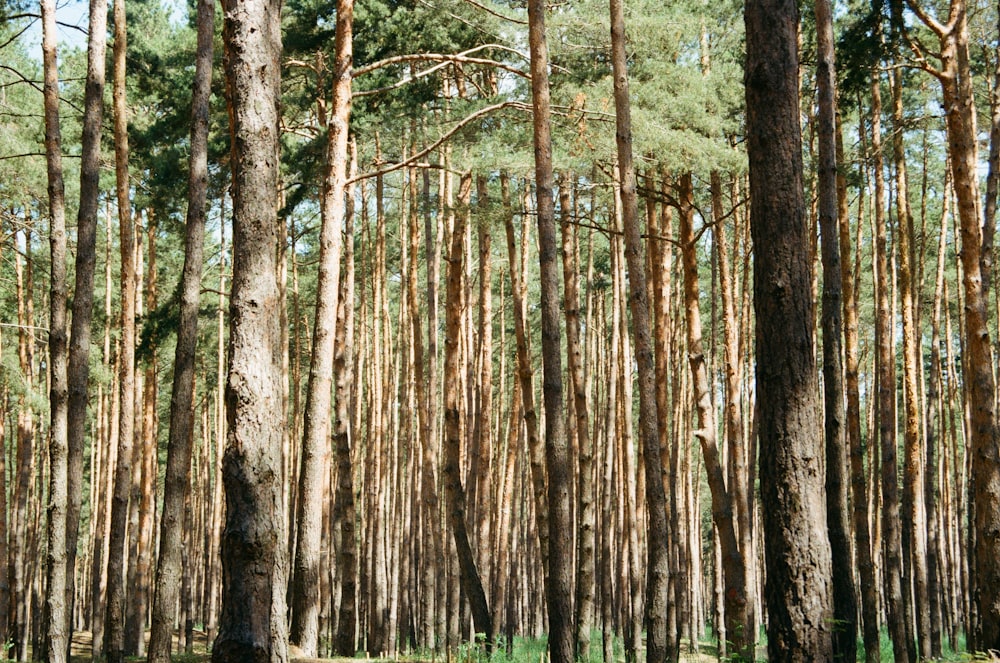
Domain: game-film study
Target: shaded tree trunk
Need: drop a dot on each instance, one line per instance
(799, 603)
(181, 427)
(78, 371)
(470, 580)
(837, 487)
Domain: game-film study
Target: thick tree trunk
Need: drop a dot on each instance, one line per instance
(114, 635)
(78, 371)
(837, 487)
(58, 609)
(315, 443)
(181, 431)
(797, 552)
(253, 621)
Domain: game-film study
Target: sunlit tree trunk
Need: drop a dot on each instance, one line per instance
(253, 626)
(58, 608)
(315, 444)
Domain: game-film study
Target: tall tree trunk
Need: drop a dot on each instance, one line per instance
(78, 371)
(862, 537)
(574, 354)
(837, 487)
(181, 431)
(315, 443)
(737, 607)
(58, 609)
(136, 625)
(657, 576)
(472, 585)
(252, 626)
(559, 579)
(114, 635)
(796, 551)
(886, 394)
(913, 511)
(959, 101)
(344, 643)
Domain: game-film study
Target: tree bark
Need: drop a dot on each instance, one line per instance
(862, 536)
(315, 443)
(796, 551)
(559, 579)
(886, 403)
(114, 634)
(57, 607)
(78, 372)
(837, 487)
(181, 427)
(252, 626)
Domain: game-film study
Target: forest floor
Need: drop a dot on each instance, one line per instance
(530, 652)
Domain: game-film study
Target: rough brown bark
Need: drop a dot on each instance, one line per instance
(181, 426)
(114, 634)
(559, 579)
(797, 553)
(57, 606)
(315, 442)
(344, 508)
(837, 486)
(252, 626)
(657, 573)
(78, 372)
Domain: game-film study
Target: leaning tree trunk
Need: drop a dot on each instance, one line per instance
(176, 483)
(796, 551)
(56, 606)
(252, 626)
(845, 612)
(559, 579)
(472, 584)
(315, 443)
(737, 608)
